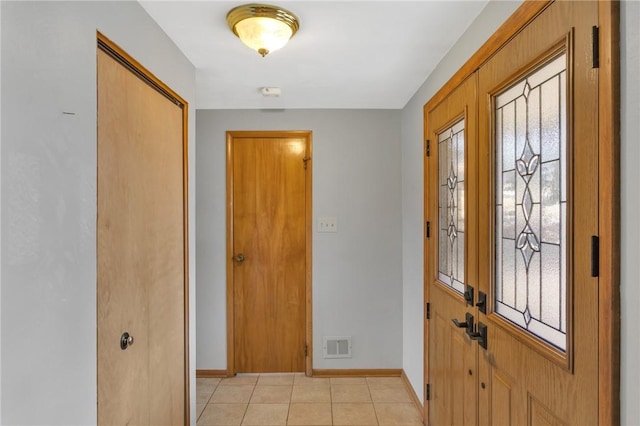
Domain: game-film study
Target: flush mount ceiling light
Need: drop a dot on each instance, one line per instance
(262, 27)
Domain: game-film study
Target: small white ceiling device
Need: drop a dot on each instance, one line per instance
(271, 91)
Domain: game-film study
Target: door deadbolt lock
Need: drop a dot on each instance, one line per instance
(239, 258)
(468, 295)
(126, 340)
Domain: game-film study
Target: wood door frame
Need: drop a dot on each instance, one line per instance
(118, 54)
(307, 135)
(608, 180)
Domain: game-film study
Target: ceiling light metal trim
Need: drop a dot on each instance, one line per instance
(254, 10)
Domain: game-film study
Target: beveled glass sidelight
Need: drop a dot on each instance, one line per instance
(451, 151)
(530, 122)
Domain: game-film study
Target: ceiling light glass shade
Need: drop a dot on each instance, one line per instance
(263, 28)
(263, 34)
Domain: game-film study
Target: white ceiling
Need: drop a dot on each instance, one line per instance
(347, 54)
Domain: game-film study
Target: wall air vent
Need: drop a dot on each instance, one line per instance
(336, 347)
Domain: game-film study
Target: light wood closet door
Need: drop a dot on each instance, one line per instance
(451, 260)
(269, 259)
(538, 211)
(140, 250)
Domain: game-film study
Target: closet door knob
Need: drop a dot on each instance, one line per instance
(126, 340)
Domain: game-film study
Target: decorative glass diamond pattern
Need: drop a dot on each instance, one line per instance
(527, 240)
(528, 163)
(452, 183)
(526, 90)
(451, 206)
(527, 316)
(531, 203)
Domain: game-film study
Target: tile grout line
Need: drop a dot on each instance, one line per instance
(206, 403)
(286, 422)
(331, 401)
(375, 412)
(246, 409)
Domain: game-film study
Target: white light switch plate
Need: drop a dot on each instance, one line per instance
(327, 224)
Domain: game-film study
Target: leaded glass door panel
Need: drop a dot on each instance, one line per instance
(531, 226)
(451, 196)
(538, 198)
(451, 192)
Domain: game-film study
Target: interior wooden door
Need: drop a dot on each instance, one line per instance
(538, 198)
(141, 288)
(268, 256)
(451, 191)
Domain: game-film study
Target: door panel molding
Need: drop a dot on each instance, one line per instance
(302, 134)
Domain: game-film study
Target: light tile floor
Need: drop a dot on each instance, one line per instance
(293, 399)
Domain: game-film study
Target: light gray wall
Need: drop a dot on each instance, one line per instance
(48, 197)
(491, 17)
(357, 271)
(630, 176)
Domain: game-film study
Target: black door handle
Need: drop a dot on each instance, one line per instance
(460, 324)
(480, 335)
(468, 323)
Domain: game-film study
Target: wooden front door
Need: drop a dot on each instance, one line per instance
(269, 250)
(524, 219)
(538, 121)
(141, 240)
(451, 256)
